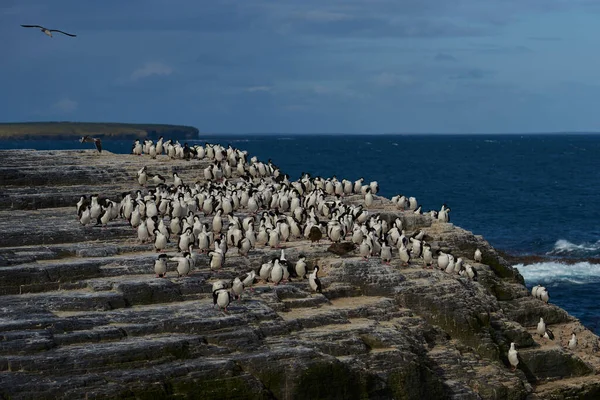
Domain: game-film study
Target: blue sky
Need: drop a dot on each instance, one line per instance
(355, 66)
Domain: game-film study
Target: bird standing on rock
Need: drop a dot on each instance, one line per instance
(573, 341)
(184, 264)
(477, 257)
(301, 266)
(541, 327)
(548, 334)
(217, 258)
(313, 280)
(249, 280)
(222, 298)
(276, 274)
(160, 240)
(443, 260)
(513, 356)
(315, 234)
(386, 253)
(238, 288)
(427, 256)
(160, 266)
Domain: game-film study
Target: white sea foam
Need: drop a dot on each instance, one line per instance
(563, 246)
(547, 273)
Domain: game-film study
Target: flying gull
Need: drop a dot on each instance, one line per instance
(47, 31)
(89, 139)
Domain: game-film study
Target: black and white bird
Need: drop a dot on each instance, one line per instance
(96, 141)
(313, 280)
(249, 280)
(548, 334)
(238, 288)
(48, 31)
(184, 264)
(541, 327)
(222, 298)
(160, 266)
(300, 266)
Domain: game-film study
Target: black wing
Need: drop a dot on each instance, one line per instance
(215, 296)
(98, 144)
(81, 209)
(318, 282)
(64, 33)
(292, 270)
(33, 26)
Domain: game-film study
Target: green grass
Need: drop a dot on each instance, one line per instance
(55, 130)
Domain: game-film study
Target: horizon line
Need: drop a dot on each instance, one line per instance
(200, 132)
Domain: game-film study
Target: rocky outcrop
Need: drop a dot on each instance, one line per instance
(83, 315)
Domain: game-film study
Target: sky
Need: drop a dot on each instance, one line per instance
(306, 66)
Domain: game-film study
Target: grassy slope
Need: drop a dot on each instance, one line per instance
(30, 130)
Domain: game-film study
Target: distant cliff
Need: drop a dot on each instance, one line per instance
(69, 130)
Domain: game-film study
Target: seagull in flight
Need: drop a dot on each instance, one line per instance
(89, 139)
(48, 31)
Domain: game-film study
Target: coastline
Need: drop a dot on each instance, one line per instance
(71, 130)
(395, 319)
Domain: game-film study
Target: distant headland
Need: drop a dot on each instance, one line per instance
(70, 130)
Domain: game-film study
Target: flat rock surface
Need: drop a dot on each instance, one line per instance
(82, 314)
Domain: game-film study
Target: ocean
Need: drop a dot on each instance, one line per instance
(526, 194)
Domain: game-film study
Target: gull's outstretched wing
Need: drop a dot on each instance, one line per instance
(64, 33)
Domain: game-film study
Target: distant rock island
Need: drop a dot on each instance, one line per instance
(70, 130)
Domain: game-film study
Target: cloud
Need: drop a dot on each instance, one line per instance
(254, 89)
(324, 16)
(65, 105)
(375, 26)
(545, 38)
(500, 49)
(150, 69)
(473, 73)
(388, 79)
(444, 57)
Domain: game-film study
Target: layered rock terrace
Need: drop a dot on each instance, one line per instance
(82, 314)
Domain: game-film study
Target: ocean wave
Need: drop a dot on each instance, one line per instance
(564, 247)
(552, 272)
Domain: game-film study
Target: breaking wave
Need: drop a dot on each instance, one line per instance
(548, 273)
(565, 248)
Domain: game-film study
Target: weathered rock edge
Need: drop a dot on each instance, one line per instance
(83, 316)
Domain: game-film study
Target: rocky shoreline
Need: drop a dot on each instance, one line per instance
(83, 315)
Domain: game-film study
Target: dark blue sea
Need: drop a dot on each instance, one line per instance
(526, 194)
